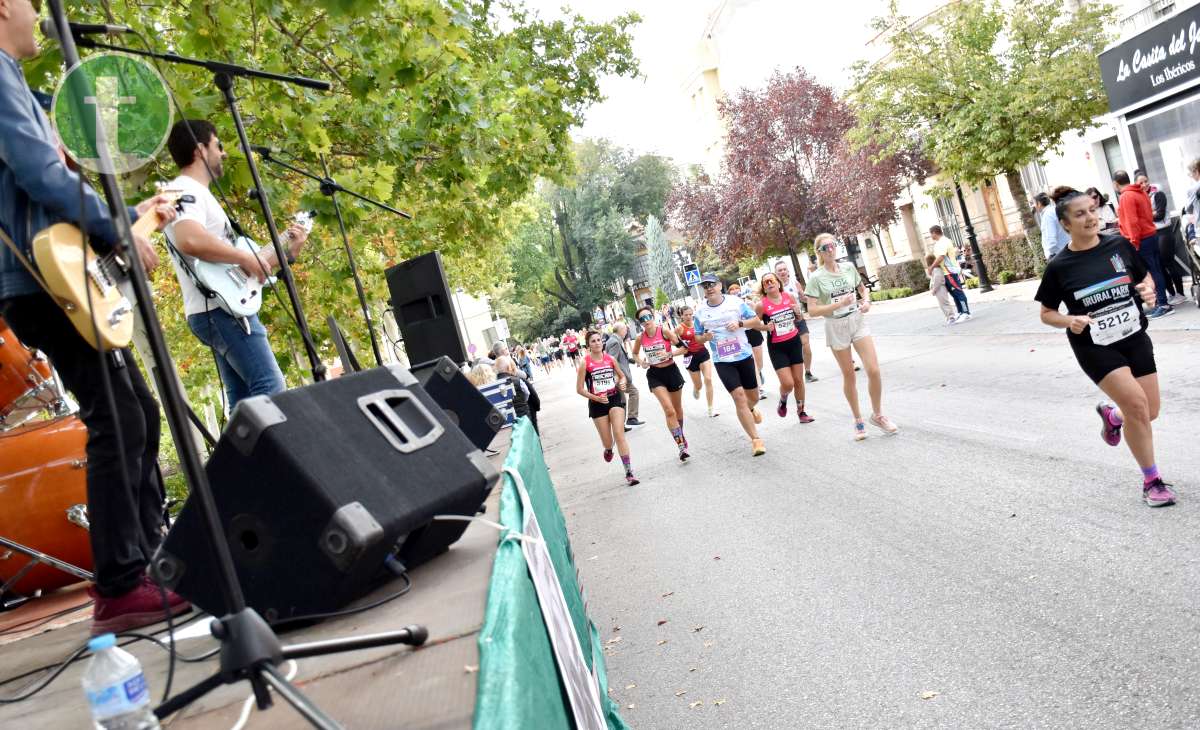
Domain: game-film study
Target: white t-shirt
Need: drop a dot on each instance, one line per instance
(945, 247)
(730, 346)
(197, 204)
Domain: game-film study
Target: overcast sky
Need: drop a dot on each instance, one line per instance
(755, 38)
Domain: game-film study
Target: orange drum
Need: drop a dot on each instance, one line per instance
(43, 475)
(25, 380)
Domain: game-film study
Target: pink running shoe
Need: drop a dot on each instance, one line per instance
(608, 454)
(805, 418)
(781, 409)
(883, 423)
(1158, 493)
(1110, 433)
(632, 480)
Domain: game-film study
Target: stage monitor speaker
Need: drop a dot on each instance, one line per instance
(424, 309)
(462, 401)
(317, 486)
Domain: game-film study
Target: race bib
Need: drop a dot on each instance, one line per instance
(728, 348)
(687, 361)
(604, 383)
(656, 354)
(1115, 322)
(785, 323)
(848, 309)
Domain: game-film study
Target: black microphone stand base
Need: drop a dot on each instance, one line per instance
(251, 651)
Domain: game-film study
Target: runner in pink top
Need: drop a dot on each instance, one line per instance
(599, 379)
(655, 350)
(782, 314)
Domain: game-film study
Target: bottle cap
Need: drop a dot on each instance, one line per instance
(101, 642)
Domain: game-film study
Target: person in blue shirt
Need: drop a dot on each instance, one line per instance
(722, 319)
(125, 493)
(1054, 236)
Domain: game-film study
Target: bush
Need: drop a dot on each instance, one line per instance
(1014, 255)
(972, 283)
(1006, 276)
(909, 274)
(886, 294)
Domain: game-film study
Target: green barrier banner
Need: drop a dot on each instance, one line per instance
(520, 685)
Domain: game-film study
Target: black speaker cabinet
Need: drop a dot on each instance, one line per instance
(462, 401)
(316, 486)
(424, 309)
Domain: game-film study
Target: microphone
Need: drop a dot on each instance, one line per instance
(50, 30)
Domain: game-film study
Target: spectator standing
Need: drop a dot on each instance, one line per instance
(525, 400)
(1054, 236)
(937, 287)
(614, 345)
(945, 257)
(1135, 217)
(1164, 224)
(1104, 209)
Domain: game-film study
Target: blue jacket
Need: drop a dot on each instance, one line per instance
(37, 189)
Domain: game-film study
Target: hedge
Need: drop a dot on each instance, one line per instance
(910, 274)
(886, 294)
(1012, 254)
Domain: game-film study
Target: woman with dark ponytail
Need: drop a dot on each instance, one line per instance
(1103, 284)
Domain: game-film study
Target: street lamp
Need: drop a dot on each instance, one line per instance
(980, 270)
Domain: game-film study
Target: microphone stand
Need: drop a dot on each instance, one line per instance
(329, 187)
(250, 650)
(223, 75)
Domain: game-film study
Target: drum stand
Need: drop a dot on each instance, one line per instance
(36, 558)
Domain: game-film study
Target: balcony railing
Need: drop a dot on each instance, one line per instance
(1153, 11)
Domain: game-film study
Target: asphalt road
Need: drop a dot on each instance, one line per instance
(990, 566)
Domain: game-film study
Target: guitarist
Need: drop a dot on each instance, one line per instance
(37, 189)
(203, 231)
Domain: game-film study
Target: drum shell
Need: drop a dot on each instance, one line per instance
(43, 474)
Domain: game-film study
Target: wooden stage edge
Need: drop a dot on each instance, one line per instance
(426, 688)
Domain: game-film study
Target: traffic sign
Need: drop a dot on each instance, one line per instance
(691, 276)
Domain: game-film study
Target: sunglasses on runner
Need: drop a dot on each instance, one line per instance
(646, 318)
(708, 284)
(828, 247)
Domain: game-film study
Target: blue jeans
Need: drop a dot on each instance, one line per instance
(245, 361)
(1149, 253)
(954, 285)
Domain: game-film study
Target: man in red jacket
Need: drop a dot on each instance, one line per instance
(1135, 216)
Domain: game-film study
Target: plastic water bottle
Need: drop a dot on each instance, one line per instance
(116, 688)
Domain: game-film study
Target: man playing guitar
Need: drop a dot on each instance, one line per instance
(202, 231)
(37, 189)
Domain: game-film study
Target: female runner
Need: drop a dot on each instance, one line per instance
(698, 361)
(599, 379)
(655, 350)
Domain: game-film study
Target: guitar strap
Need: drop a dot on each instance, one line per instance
(31, 268)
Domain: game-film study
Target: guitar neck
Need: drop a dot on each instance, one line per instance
(145, 225)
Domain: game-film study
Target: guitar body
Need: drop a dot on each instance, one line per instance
(237, 294)
(58, 252)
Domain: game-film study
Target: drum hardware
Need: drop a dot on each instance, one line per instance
(78, 515)
(36, 557)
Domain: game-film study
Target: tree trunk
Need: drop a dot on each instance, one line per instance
(1032, 232)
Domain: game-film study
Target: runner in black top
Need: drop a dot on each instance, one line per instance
(1103, 284)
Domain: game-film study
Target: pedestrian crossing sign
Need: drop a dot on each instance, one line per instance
(691, 276)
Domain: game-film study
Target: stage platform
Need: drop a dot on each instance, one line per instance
(426, 688)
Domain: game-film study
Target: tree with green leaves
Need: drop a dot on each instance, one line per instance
(662, 263)
(984, 87)
(450, 109)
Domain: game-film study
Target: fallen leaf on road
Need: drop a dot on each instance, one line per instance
(630, 686)
(929, 695)
(661, 621)
(708, 644)
(471, 668)
(630, 706)
(697, 628)
(681, 693)
(614, 640)
(616, 628)
(718, 703)
(1014, 514)
(661, 642)
(692, 669)
(593, 557)
(668, 593)
(716, 557)
(697, 703)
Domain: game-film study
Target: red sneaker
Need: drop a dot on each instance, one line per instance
(142, 606)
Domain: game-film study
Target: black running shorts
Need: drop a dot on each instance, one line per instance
(693, 360)
(738, 374)
(600, 410)
(1135, 352)
(664, 376)
(755, 337)
(786, 354)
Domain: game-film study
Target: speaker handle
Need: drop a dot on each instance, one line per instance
(379, 410)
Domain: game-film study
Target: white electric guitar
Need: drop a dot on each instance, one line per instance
(238, 293)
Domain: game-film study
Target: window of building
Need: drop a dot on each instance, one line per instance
(1164, 144)
(1033, 178)
(948, 219)
(1112, 155)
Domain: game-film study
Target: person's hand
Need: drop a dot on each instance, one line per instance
(771, 327)
(1146, 291)
(297, 234)
(865, 306)
(733, 327)
(146, 252)
(251, 265)
(623, 385)
(603, 399)
(641, 361)
(1079, 323)
(845, 301)
(162, 206)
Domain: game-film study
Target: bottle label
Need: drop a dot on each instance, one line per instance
(118, 699)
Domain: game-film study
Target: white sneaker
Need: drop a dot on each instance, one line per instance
(951, 320)
(1176, 299)
(762, 393)
(965, 316)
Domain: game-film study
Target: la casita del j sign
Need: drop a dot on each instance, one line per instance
(1164, 57)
